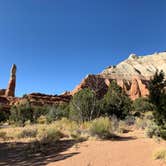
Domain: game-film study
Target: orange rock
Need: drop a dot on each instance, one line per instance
(10, 91)
(135, 91)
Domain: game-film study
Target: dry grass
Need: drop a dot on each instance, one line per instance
(160, 154)
(101, 127)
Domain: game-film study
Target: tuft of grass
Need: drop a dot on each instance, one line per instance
(160, 155)
(101, 128)
(28, 133)
(42, 120)
(48, 135)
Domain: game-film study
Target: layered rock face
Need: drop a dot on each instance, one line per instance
(133, 75)
(39, 99)
(94, 82)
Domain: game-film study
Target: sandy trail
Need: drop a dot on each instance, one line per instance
(133, 150)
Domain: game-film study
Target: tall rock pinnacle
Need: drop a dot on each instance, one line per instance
(10, 91)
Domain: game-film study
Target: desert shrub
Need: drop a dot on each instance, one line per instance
(27, 123)
(142, 105)
(116, 102)
(152, 130)
(70, 128)
(57, 112)
(101, 128)
(48, 135)
(3, 135)
(160, 154)
(141, 123)
(114, 123)
(21, 113)
(76, 135)
(4, 115)
(83, 106)
(37, 112)
(145, 120)
(129, 120)
(42, 119)
(28, 133)
(163, 133)
(24, 112)
(149, 115)
(122, 128)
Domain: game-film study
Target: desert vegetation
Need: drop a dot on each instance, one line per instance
(146, 113)
(87, 117)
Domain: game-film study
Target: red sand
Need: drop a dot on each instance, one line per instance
(133, 150)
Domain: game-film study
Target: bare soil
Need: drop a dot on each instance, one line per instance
(131, 149)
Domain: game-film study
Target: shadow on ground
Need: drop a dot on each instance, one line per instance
(18, 154)
(23, 154)
(120, 138)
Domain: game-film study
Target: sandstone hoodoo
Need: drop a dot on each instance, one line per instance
(132, 74)
(10, 91)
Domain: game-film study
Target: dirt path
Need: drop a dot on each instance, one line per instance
(133, 150)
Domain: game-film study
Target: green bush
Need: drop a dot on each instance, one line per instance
(57, 112)
(116, 102)
(142, 105)
(4, 115)
(38, 111)
(21, 113)
(101, 128)
(25, 112)
(163, 133)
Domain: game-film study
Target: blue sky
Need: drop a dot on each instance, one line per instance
(56, 43)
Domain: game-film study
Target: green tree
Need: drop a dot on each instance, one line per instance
(116, 102)
(157, 96)
(142, 105)
(83, 105)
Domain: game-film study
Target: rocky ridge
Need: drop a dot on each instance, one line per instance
(132, 74)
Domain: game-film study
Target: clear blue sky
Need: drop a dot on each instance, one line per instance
(55, 43)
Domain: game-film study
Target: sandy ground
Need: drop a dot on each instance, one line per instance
(132, 150)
